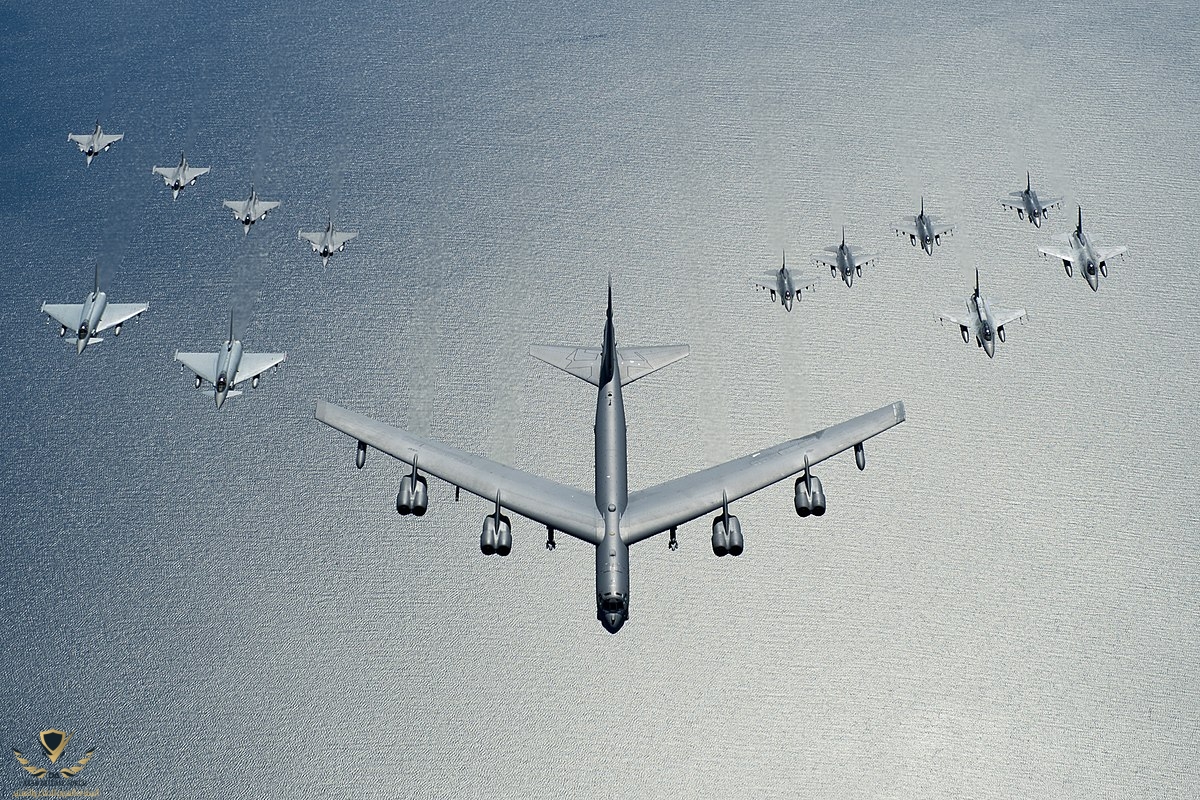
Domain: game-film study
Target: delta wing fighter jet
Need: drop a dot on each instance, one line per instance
(1079, 252)
(783, 285)
(228, 368)
(94, 315)
(180, 175)
(94, 143)
(610, 518)
(844, 260)
(327, 242)
(983, 320)
(250, 210)
(1029, 206)
(924, 229)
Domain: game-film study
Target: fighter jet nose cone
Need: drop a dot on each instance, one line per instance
(220, 399)
(79, 345)
(613, 621)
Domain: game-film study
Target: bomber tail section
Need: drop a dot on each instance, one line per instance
(586, 364)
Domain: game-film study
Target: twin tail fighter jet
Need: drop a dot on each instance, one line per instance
(924, 229)
(180, 175)
(782, 285)
(94, 143)
(610, 518)
(984, 322)
(228, 368)
(1080, 253)
(327, 242)
(93, 316)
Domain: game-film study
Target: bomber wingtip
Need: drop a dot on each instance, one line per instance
(901, 414)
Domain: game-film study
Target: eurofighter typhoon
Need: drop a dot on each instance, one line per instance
(611, 519)
(94, 315)
(228, 368)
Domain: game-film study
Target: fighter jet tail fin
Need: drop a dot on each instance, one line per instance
(1079, 226)
(96, 280)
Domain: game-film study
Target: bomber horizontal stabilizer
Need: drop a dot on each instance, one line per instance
(633, 362)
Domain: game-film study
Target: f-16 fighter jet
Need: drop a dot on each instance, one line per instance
(783, 285)
(94, 143)
(844, 260)
(610, 517)
(983, 321)
(229, 367)
(924, 229)
(327, 242)
(1029, 206)
(94, 315)
(251, 210)
(1080, 252)
(180, 175)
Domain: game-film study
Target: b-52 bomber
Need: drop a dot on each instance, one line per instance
(94, 315)
(1029, 206)
(924, 229)
(611, 519)
(229, 367)
(782, 284)
(1079, 252)
(845, 261)
(327, 242)
(250, 210)
(984, 321)
(180, 175)
(94, 143)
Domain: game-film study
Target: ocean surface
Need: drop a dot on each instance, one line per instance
(1004, 604)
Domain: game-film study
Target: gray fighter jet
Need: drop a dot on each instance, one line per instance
(1029, 206)
(782, 284)
(983, 321)
(327, 242)
(94, 143)
(924, 229)
(1079, 252)
(844, 260)
(228, 368)
(612, 519)
(250, 210)
(180, 175)
(94, 315)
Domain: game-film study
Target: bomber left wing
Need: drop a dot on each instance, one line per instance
(670, 504)
(254, 364)
(116, 313)
(572, 511)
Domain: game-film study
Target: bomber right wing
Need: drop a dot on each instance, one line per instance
(572, 511)
(670, 504)
(204, 365)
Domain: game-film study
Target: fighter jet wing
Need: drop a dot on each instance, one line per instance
(967, 323)
(116, 313)
(1048, 203)
(107, 139)
(1105, 253)
(314, 237)
(1065, 253)
(906, 228)
(254, 364)
(1016, 201)
(563, 508)
(166, 172)
(768, 284)
(340, 238)
(670, 504)
(633, 362)
(865, 260)
(1002, 316)
(823, 260)
(66, 314)
(940, 228)
(237, 206)
(191, 173)
(80, 139)
(204, 365)
(261, 207)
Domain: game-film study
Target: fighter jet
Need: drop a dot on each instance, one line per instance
(1029, 206)
(844, 260)
(1080, 252)
(94, 315)
(925, 229)
(611, 519)
(984, 321)
(327, 242)
(251, 210)
(180, 175)
(94, 143)
(783, 285)
(228, 368)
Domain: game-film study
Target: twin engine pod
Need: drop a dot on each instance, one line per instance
(413, 497)
(810, 499)
(727, 536)
(496, 538)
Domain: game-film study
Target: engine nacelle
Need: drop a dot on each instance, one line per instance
(817, 497)
(736, 543)
(1000, 332)
(413, 497)
(720, 537)
(504, 537)
(487, 539)
(803, 500)
(360, 455)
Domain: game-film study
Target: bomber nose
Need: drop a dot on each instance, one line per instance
(612, 621)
